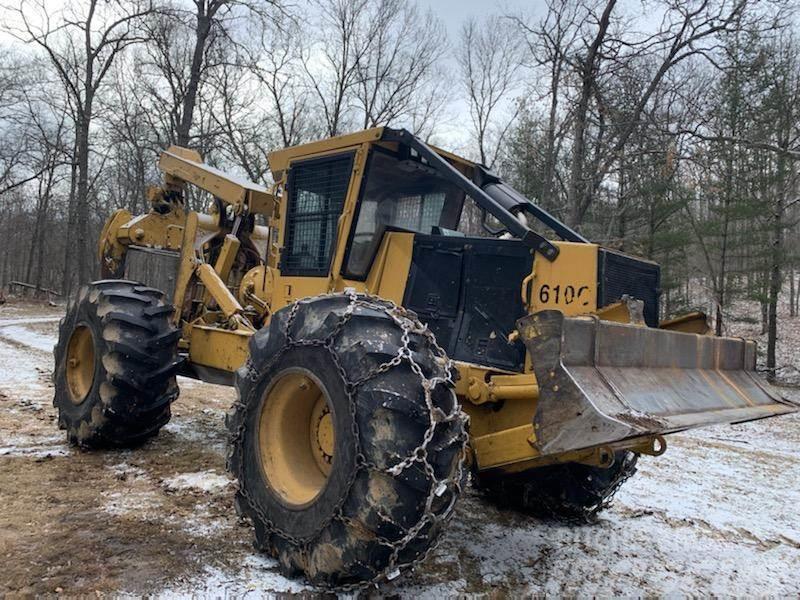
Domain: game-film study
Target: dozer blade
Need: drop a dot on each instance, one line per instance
(602, 382)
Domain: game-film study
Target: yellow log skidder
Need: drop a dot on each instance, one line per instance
(380, 354)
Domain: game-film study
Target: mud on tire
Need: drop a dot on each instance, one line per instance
(131, 367)
(568, 491)
(398, 455)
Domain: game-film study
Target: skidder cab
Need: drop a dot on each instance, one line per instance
(362, 322)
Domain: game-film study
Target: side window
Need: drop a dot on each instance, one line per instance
(317, 190)
(399, 195)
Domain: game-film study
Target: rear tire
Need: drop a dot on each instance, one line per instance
(394, 469)
(568, 491)
(115, 365)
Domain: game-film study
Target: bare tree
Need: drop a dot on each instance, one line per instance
(245, 136)
(277, 63)
(687, 30)
(332, 63)
(187, 45)
(403, 61)
(490, 58)
(81, 43)
(550, 42)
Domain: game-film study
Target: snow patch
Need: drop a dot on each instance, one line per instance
(204, 481)
(25, 321)
(26, 337)
(35, 451)
(257, 576)
(124, 471)
(140, 503)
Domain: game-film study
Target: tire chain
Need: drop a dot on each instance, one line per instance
(409, 323)
(578, 514)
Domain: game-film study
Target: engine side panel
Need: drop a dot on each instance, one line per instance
(468, 292)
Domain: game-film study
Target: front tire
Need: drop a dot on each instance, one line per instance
(363, 488)
(115, 365)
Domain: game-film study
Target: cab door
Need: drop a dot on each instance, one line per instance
(316, 194)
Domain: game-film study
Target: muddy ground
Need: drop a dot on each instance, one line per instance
(717, 514)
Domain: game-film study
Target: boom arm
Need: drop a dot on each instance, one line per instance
(186, 165)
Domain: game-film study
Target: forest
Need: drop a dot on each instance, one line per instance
(664, 128)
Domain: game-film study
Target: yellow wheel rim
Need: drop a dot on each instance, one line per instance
(296, 437)
(80, 364)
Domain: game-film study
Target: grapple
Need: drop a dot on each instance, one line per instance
(603, 382)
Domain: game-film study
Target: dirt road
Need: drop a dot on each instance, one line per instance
(717, 514)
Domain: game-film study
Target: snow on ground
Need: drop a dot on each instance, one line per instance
(203, 481)
(255, 577)
(26, 337)
(716, 515)
(28, 321)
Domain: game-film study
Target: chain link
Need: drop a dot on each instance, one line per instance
(580, 514)
(443, 375)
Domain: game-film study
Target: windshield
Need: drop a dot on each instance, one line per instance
(401, 195)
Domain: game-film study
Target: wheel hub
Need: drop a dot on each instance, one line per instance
(80, 364)
(321, 431)
(296, 437)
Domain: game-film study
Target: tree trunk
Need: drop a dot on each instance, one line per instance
(202, 31)
(577, 191)
(69, 246)
(82, 197)
(776, 257)
(721, 282)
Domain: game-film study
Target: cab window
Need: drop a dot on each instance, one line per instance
(317, 189)
(399, 195)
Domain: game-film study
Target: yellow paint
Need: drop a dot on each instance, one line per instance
(279, 159)
(221, 349)
(693, 322)
(346, 218)
(186, 264)
(218, 290)
(290, 454)
(257, 287)
(503, 447)
(187, 166)
(569, 283)
(617, 312)
(153, 229)
(389, 273)
(80, 364)
(109, 249)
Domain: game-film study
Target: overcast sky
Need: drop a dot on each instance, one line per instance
(454, 12)
(454, 134)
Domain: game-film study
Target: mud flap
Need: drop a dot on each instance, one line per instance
(602, 382)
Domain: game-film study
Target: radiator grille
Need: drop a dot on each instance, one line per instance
(619, 274)
(317, 189)
(153, 267)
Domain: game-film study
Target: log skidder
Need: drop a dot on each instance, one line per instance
(115, 365)
(347, 440)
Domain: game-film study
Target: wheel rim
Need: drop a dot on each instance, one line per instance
(296, 437)
(80, 364)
